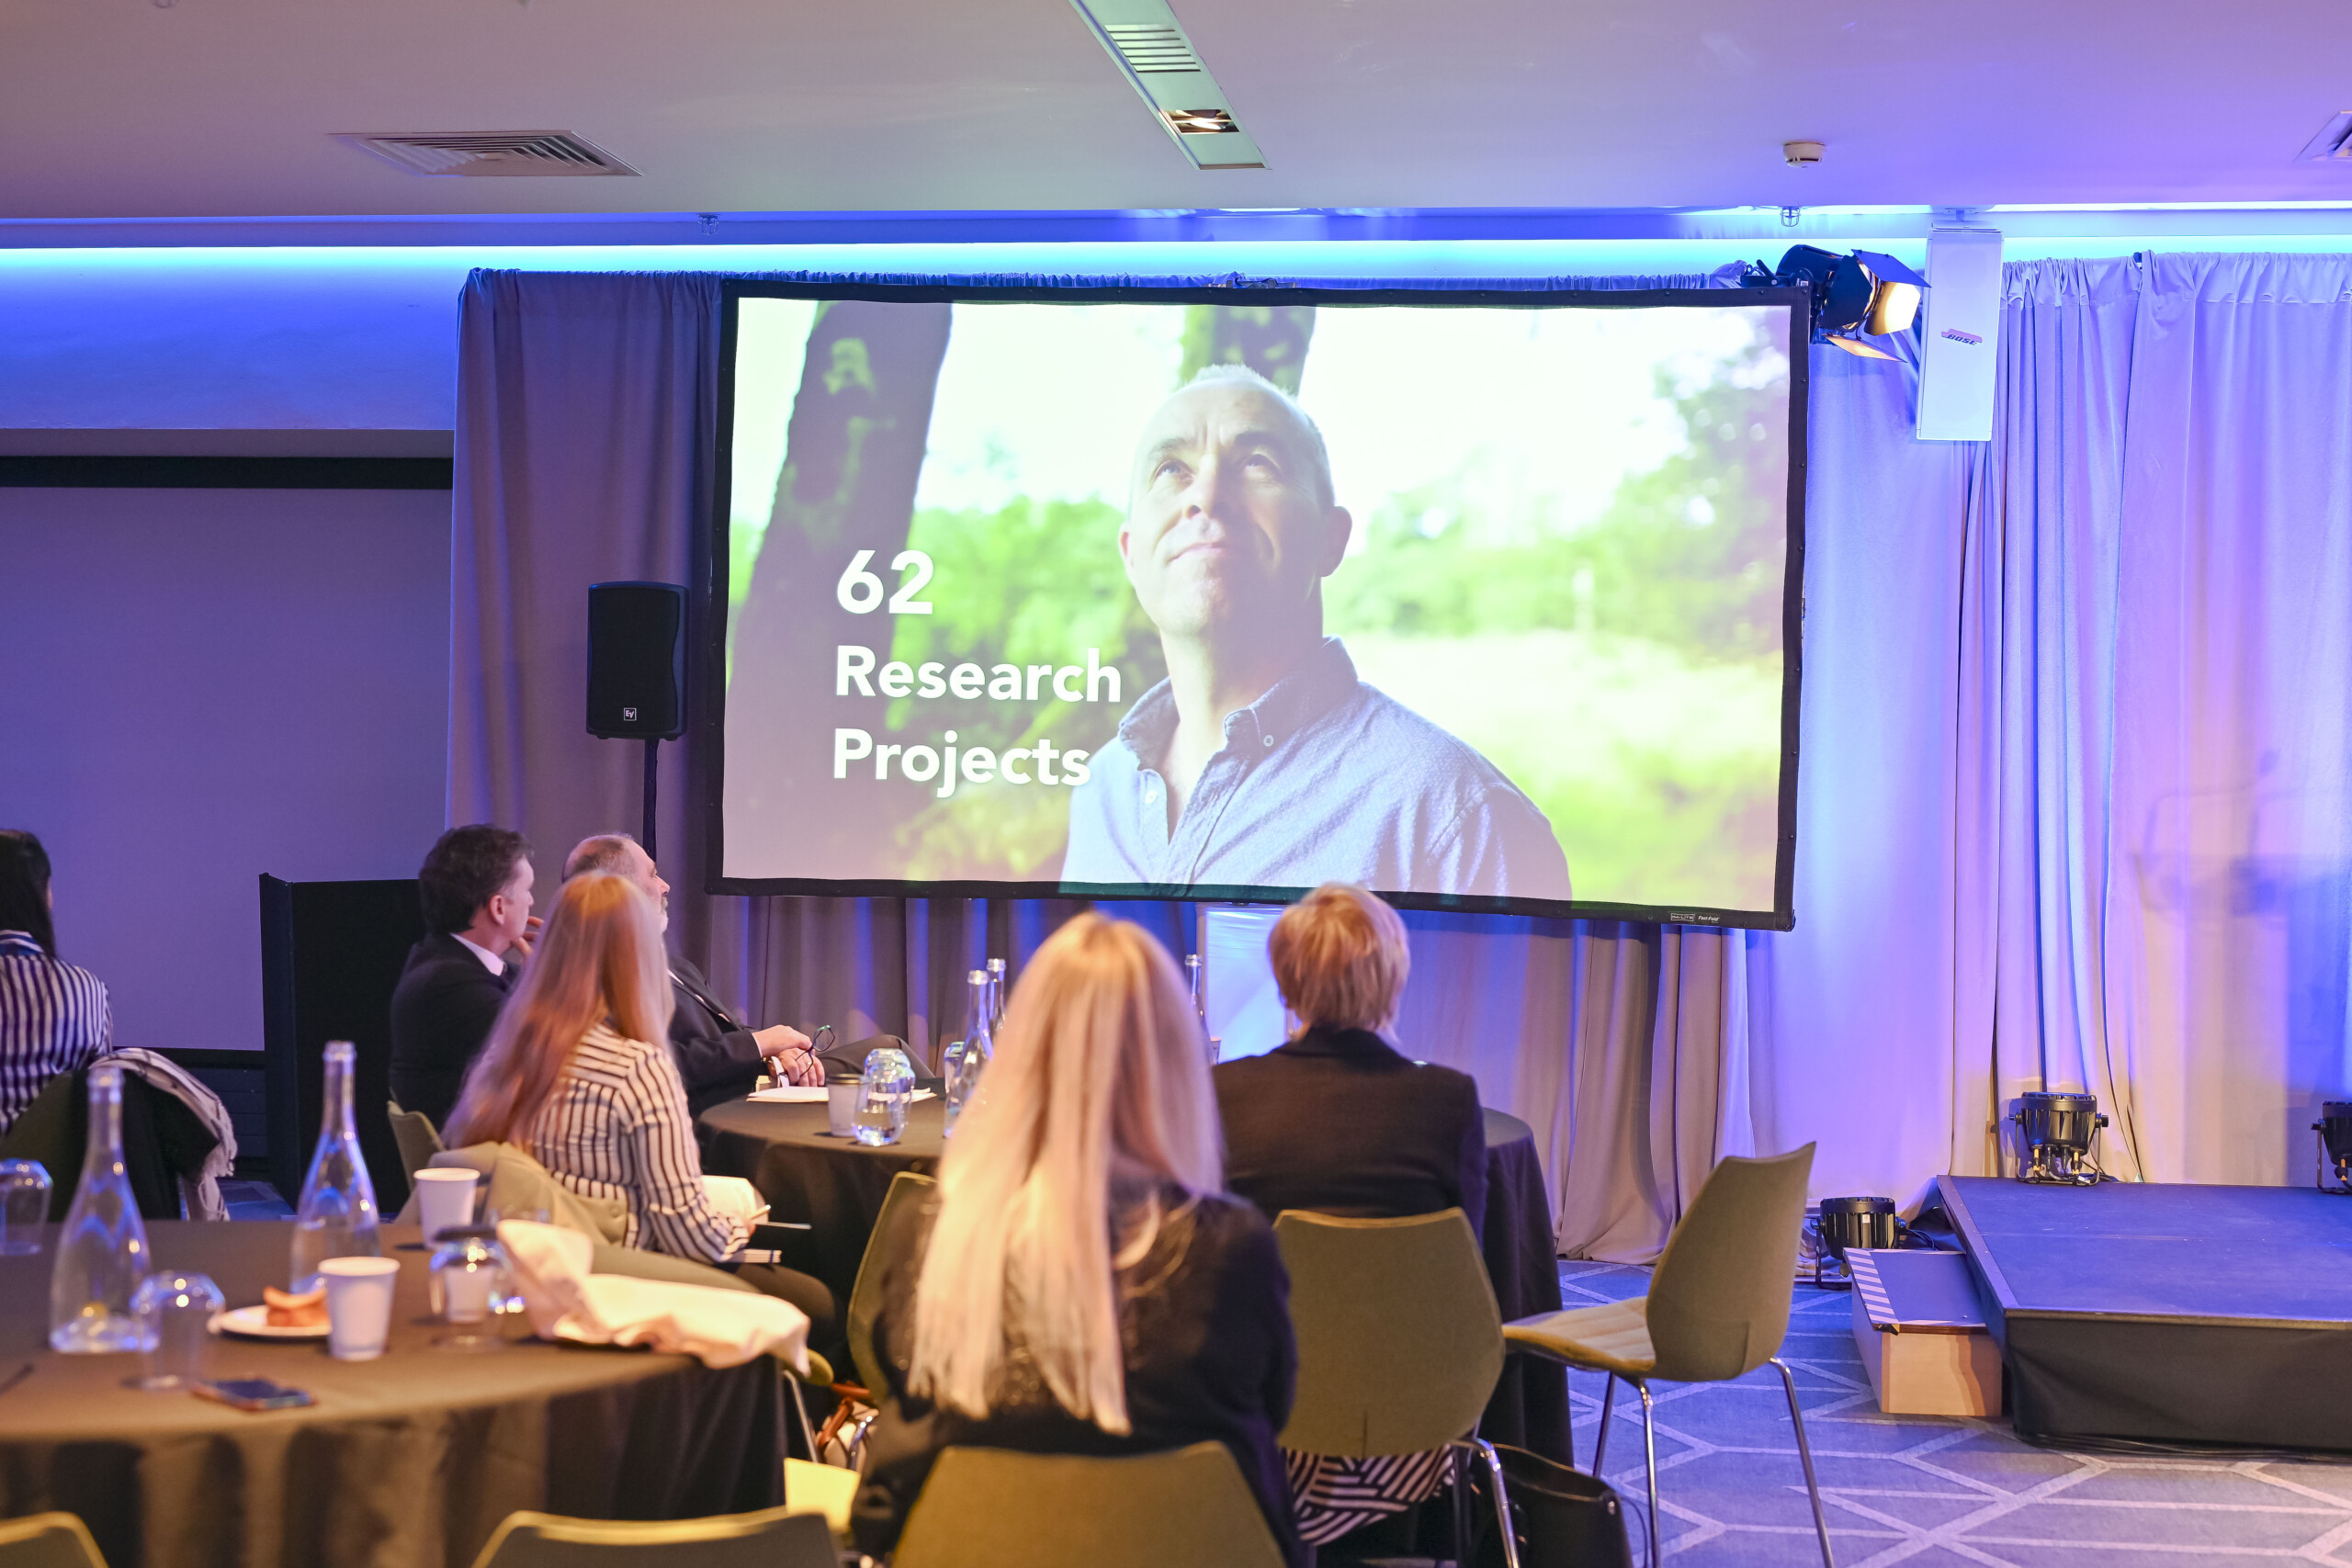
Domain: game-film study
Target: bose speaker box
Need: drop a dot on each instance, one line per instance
(637, 661)
(1962, 347)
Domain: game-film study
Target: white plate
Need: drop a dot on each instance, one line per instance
(252, 1323)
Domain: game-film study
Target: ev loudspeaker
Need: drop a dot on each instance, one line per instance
(1963, 342)
(637, 661)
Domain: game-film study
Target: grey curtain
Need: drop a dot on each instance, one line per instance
(585, 420)
(2073, 802)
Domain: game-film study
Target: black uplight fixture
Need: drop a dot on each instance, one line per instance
(1866, 293)
(1864, 1224)
(2334, 1130)
(2059, 1131)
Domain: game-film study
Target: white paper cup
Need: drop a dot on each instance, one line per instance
(841, 1108)
(445, 1198)
(359, 1306)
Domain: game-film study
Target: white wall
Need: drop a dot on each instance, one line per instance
(204, 685)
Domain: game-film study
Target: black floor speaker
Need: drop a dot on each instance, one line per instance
(637, 661)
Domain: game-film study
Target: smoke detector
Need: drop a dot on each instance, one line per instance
(1802, 154)
(487, 153)
(1149, 46)
(2334, 141)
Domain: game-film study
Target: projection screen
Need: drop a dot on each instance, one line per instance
(1488, 600)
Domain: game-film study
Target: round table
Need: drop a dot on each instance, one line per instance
(836, 1184)
(406, 1461)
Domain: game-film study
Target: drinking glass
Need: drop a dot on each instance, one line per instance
(470, 1284)
(24, 1205)
(175, 1314)
(882, 1097)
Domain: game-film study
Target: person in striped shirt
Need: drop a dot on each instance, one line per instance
(577, 1073)
(54, 1018)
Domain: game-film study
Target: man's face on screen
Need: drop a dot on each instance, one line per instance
(1226, 521)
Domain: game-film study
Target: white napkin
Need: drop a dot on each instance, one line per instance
(720, 1328)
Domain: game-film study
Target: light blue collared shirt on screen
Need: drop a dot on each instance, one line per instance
(1322, 779)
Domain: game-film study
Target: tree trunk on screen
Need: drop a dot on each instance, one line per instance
(852, 454)
(1270, 339)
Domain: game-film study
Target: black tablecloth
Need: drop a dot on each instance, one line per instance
(837, 1185)
(407, 1461)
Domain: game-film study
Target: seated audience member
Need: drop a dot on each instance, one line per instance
(476, 890)
(571, 1076)
(1337, 1121)
(54, 1018)
(1082, 1287)
(718, 1058)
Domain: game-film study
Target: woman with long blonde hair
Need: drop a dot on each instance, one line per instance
(577, 1074)
(1084, 1285)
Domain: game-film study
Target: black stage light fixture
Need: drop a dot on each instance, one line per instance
(1865, 293)
(1866, 1224)
(2334, 1130)
(2058, 1131)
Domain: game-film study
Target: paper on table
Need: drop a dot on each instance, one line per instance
(809, 1094)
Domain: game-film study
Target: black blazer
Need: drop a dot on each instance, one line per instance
(1209, 1359)
(718, 1058)
(1338, 1123)
(442, 1011)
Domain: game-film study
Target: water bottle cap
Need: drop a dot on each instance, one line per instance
(980, 976)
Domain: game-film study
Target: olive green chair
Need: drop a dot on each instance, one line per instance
(1717, 1309)
(892, 1240)
(1399, 1344)
(417, 1138)
(990, 1509)
(48, 1540)
(774, 1537)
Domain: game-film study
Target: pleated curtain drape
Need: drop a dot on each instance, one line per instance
(2071, 808)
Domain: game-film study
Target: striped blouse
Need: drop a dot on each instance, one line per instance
(54, 1019)
(616, 1126)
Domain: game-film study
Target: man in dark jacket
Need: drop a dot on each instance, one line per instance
(476, 890)
(718, 1057)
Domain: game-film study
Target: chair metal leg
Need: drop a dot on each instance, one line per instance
(1601, 1449)
(1650, 1456)
(1502, 1501)
(1462, 1549)
(800, 1412)
(1804, 1452)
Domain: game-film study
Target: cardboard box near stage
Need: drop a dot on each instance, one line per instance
(1922, 1338)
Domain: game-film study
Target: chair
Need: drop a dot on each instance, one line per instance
(418, 1139)
(774, 1537)
(48, 1540)
(890, 1243)
(1717, 1308)
(1184, 1508)
(1399, 1344)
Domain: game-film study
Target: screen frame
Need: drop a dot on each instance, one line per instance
(709, 667)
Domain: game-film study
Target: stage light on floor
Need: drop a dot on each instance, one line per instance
(2058, 1132)
(1862, 1225)
(2334, 1130)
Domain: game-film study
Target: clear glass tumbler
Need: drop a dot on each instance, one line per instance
(24, 1206)
(175, 1314)
(883, 1095)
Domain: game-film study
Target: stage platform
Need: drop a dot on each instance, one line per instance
(2202, 1316)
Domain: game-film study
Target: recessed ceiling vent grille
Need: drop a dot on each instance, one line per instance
(491, 153)
(1150, 48)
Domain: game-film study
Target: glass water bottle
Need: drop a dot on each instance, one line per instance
(337, 1215)
(102, 1253)
(979, 1044)
(996, 996)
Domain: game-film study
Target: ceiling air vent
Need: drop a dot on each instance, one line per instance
(1159, 63)
(1150, 47)
(488, 152)
(2334, 141)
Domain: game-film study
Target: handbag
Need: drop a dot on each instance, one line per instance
(1562, 1518)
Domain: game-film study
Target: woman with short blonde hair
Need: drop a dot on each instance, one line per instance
(1084, 1286)
(1337, 1121)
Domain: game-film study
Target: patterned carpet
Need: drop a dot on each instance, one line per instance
(1926, 1491)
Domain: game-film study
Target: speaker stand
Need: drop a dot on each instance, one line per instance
(652, 769)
